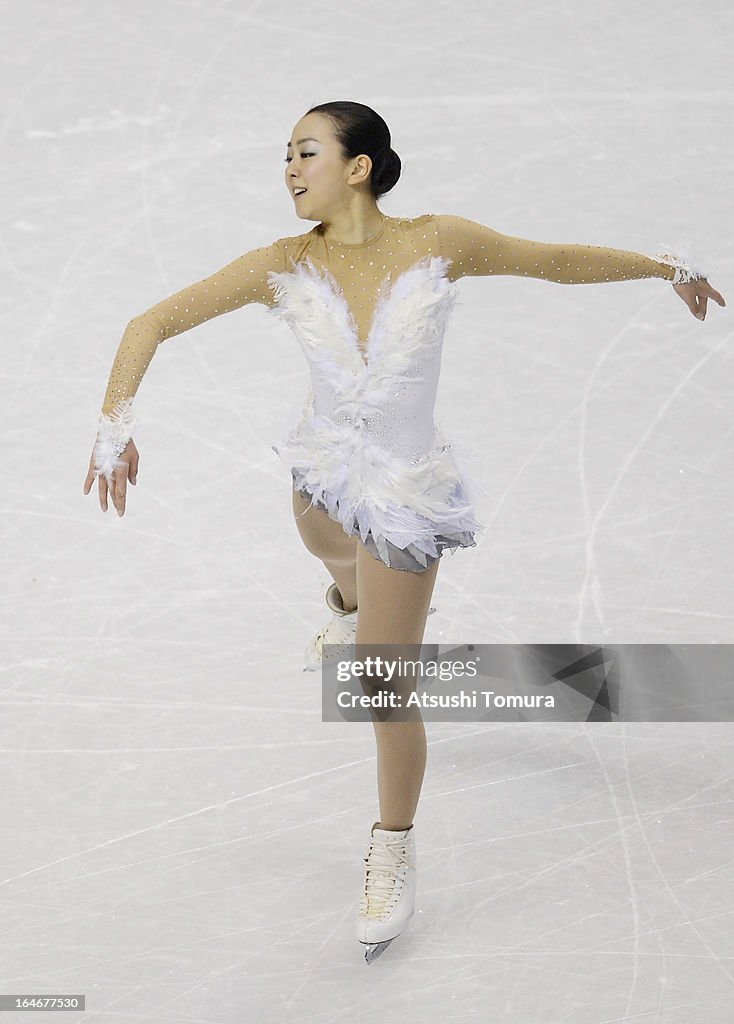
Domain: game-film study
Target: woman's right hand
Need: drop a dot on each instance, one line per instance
(118, 488)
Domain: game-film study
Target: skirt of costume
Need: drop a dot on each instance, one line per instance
(405, 513)
(408, 559)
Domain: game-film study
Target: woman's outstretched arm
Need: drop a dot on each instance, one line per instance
(477, 250)
(242, 281)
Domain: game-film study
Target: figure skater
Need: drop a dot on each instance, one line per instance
(378, 494)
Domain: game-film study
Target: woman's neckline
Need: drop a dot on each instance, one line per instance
(356, 245)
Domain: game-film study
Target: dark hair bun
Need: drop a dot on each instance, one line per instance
(360, 129)
(385, 171)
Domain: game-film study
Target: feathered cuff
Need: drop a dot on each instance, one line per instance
(113, 434)
(679, 256)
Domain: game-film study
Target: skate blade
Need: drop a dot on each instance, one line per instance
(374, 949)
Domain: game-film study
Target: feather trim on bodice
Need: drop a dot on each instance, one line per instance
(408, 315)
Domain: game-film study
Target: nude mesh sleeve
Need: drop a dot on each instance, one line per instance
(242, 281)
(477, 250)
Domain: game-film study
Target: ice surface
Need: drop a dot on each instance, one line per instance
(181, 833)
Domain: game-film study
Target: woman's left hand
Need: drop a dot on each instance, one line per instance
(696, 294)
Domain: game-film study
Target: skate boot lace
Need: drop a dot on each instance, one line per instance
(385, 877)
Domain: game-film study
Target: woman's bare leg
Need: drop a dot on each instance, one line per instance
(327, 540)
(393, 608)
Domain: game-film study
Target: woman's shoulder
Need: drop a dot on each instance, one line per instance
(290, 249)
(418, 233)
(419, 222)
(296, 243)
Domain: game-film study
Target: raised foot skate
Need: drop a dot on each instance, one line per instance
(340, 632)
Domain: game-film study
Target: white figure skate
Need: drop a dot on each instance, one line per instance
(387, 902)
(341, 631)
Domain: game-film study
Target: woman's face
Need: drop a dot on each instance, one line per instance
(314, 161)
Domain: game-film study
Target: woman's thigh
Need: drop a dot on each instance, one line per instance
(321, 534)
(393, 608)
(393, 603)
